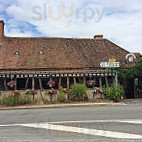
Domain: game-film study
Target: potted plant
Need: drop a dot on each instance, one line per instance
(97, 90)
(52, 92)
(31, 92)
(67, 91)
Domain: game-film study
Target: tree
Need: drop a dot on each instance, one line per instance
(136, 71)
(122, 73)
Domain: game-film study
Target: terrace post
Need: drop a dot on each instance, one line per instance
(60, 82)
(16, 83)
(33, 83)
(40, 83)
(27, 81)
(0, 84)
(50, 76)
(94, 81)
(5, 85)
(116, 78)
(68, 82)
(100, 81)
(74, 80)
(84, 80)
(106, 80)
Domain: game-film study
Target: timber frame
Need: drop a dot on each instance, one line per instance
(92, 74)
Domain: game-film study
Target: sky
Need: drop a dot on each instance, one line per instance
(118, 20)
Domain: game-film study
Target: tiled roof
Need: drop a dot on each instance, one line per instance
(58, 53)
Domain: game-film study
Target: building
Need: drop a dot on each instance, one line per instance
(34, 61)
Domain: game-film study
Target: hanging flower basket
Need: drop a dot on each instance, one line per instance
(11, 83)
(51, 83)
(91, 83)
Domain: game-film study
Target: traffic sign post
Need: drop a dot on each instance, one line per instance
(112, 75)
(111, 65)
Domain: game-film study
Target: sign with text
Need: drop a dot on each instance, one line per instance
(110, 64)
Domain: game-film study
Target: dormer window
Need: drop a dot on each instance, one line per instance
(41, 53)
(16, 53)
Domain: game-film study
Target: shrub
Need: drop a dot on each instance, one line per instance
(14, 99)
(78, 92)
(61, 96)
(113, 92)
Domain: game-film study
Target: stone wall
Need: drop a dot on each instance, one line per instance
(41, 96)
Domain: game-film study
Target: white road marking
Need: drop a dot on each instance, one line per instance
(8, 125)
(110, 134)
(95, 132)
(132, 121)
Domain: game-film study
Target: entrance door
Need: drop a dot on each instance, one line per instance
(130, 88)
(138, 88)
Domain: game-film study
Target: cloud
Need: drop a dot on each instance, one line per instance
(119, 21)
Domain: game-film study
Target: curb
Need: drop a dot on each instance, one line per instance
(61, 106)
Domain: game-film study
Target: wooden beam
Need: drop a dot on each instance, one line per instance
(50, 77)
(33, 83)
(60, 82)
(106, 80)
(40, 83)
(15, 87)
(27, 81)
(84, 80)
(68, 82)
(5, 84)
(100, 81)
(74, 80)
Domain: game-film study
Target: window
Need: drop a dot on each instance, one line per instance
(16, 53)
(41, 53)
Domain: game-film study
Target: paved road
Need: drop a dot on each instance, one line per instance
(77, 124)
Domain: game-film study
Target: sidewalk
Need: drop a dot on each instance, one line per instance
(64, 105)
(137, 101)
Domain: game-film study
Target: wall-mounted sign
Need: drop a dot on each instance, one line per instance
(110, 64)
(130, 58)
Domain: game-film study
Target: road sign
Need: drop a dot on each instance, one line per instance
(110, 64)
(112, 60)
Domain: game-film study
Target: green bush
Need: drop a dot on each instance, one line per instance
(78, 92)
(113, 92)
(61, 96)
(14, 100)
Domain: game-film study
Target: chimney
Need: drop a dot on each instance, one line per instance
(98, 37)
(1, 31)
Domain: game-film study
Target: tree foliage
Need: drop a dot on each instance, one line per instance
(135, 71)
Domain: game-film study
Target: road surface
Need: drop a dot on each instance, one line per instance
(72, 124)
